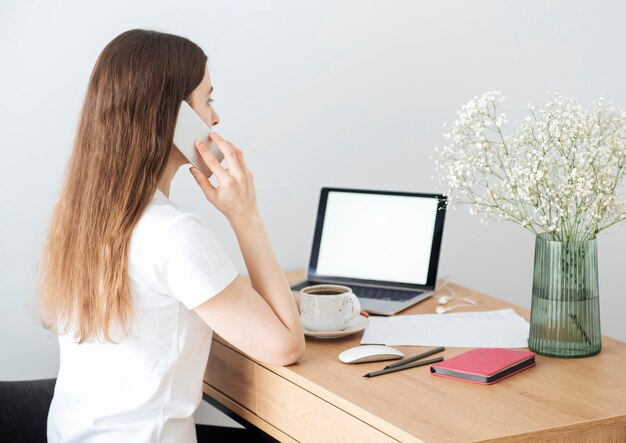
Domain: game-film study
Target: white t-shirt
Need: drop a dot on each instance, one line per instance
(146, 387)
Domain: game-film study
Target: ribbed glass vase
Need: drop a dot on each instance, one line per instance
(565, 311)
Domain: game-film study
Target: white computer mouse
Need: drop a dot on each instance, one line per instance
(368, 353)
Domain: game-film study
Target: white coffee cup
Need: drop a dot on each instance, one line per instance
(328, 307)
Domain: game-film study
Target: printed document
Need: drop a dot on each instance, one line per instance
(502, 328)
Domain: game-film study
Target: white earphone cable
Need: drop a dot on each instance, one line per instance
(443, 299)
(466, 302)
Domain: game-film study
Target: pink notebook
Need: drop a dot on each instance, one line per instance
(485, 365)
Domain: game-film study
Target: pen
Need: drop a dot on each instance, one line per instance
(402, 368)
(415, 357)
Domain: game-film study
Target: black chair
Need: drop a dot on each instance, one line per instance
(24, 409)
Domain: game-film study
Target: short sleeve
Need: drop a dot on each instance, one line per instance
(195, 267)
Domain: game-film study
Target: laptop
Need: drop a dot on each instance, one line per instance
(384, 245)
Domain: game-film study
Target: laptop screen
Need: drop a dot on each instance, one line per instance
(376, 236)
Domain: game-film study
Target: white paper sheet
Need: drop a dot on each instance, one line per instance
(502, 328)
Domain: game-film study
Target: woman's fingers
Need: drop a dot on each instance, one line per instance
(229, 153)
(211, 161)
(203, 181)
(239, 155)
(241, 165)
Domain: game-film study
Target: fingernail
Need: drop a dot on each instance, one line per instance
(200, 143)
(193, 171)
(215, 134)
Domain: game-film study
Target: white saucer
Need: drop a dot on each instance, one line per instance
(358, 324)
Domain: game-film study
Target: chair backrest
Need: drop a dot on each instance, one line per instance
(24, 409)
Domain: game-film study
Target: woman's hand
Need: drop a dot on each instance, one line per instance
(235, 196)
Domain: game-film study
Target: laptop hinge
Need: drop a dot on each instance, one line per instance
(370, 285)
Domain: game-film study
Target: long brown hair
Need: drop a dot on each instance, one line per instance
(123, 140)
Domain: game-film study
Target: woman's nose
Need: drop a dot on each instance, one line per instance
(215, 119)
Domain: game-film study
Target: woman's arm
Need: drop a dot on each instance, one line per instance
(261, 319)
(266, 276)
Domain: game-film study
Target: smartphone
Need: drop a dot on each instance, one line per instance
(189, 128)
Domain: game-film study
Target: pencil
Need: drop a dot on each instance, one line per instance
(402, 368)
(415, 357)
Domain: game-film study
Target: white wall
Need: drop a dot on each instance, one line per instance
(343, 93)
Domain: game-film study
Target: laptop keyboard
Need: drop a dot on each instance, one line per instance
(383, 293)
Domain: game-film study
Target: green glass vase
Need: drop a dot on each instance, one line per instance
(565, 311)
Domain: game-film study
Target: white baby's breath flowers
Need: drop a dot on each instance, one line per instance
(559, 173)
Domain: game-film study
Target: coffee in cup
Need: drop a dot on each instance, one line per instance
(328, 307)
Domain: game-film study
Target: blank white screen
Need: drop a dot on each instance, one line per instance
(377, 237)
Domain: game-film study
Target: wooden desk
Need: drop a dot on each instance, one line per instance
(320, 399)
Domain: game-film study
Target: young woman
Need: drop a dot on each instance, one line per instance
(132, 285)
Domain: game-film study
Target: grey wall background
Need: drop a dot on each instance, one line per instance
(341, 93)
